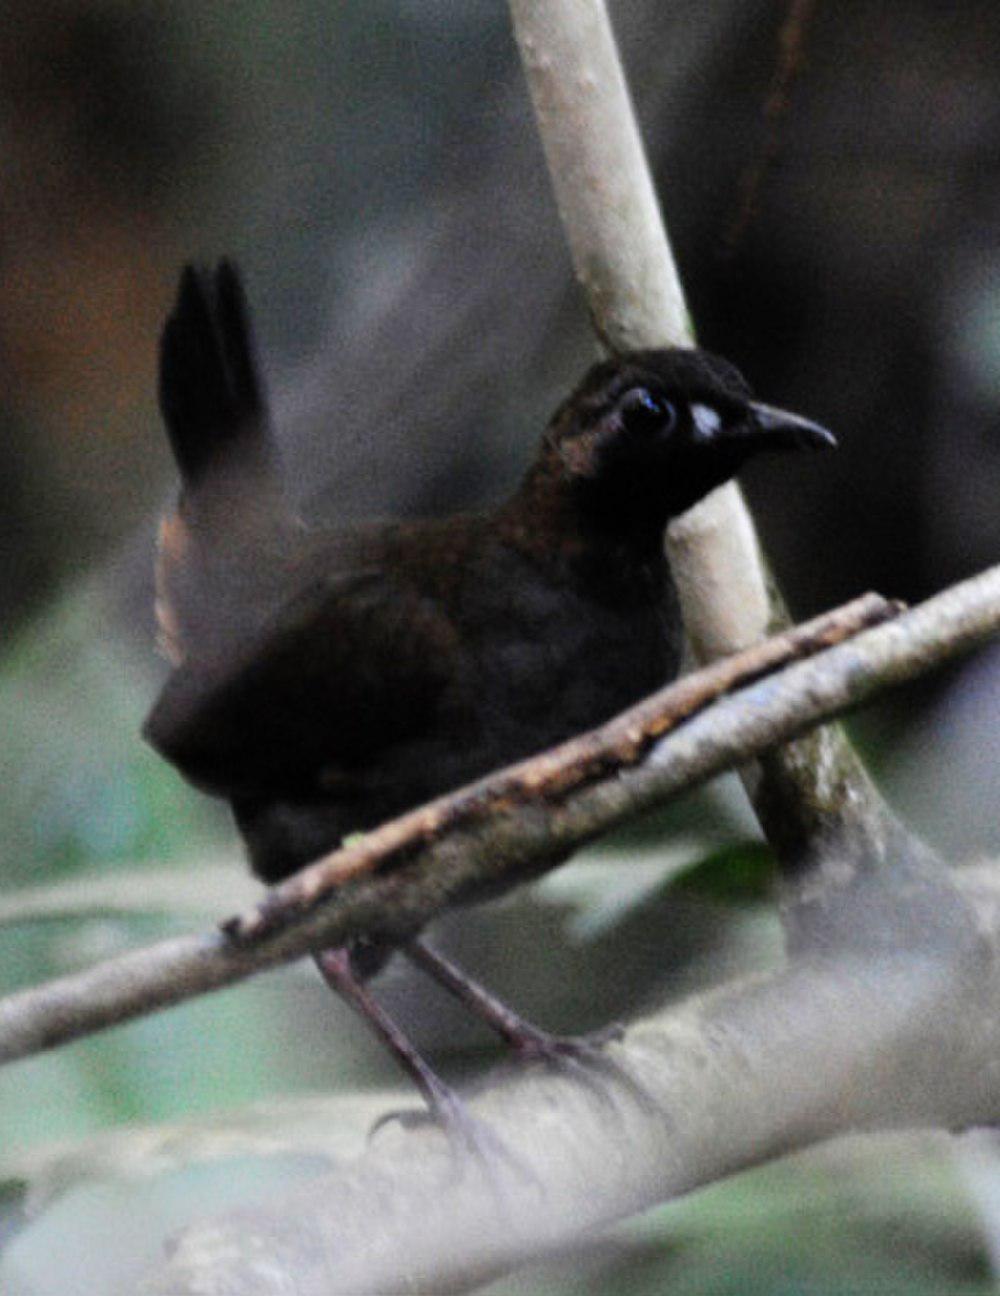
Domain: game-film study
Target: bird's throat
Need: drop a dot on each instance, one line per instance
(558, 522)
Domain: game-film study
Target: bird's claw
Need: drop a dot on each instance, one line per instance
(584, 1057)
(531, 1043)
(469, 1139)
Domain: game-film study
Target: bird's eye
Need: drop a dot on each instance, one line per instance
(644, 412)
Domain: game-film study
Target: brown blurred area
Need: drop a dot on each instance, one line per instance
(92, 153)
(374, 168)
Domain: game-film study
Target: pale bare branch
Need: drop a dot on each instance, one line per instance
(894, 1030)
(514, 834)
(625, 266)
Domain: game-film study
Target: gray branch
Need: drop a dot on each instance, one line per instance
(623, 261)
(348, 893)
(888, 1021)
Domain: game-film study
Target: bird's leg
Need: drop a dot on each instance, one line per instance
(335, 968)
(526, 1040)
(582, 1056)
(464, 1132)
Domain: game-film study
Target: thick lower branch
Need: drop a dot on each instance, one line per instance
(860, 1039)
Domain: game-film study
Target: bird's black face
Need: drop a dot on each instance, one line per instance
(646, 436)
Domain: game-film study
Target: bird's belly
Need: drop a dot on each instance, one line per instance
(546, 678)
(539, 681)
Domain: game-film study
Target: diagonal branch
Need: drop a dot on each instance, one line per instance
(519, 831)
(547, 780)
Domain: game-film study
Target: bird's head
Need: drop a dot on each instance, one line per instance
(647, 435)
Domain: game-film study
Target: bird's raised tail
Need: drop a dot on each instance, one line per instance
(210, 391)
(211, 562)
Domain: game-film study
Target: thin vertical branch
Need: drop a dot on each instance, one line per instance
(604, 190)
(813, 791)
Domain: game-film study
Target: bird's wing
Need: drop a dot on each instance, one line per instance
(345, 669)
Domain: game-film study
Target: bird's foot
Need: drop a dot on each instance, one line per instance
(466, 1135)
(470, 1139)
(529, 1043)
(584, 1057)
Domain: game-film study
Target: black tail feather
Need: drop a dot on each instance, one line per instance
(210, 390)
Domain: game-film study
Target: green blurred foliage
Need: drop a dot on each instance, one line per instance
(78, 786)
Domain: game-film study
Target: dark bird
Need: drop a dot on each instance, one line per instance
(327, 679)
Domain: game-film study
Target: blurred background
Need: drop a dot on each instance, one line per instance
(374, 169)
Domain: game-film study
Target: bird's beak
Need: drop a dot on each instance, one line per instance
(778, 429)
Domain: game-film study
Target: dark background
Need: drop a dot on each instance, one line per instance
(375, 170)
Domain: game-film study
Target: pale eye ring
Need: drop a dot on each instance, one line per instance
(642, 411)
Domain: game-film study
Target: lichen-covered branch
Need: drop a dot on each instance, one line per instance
(517, 822)
(625, 266)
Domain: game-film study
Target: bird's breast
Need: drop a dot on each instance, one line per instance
(554, 655)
